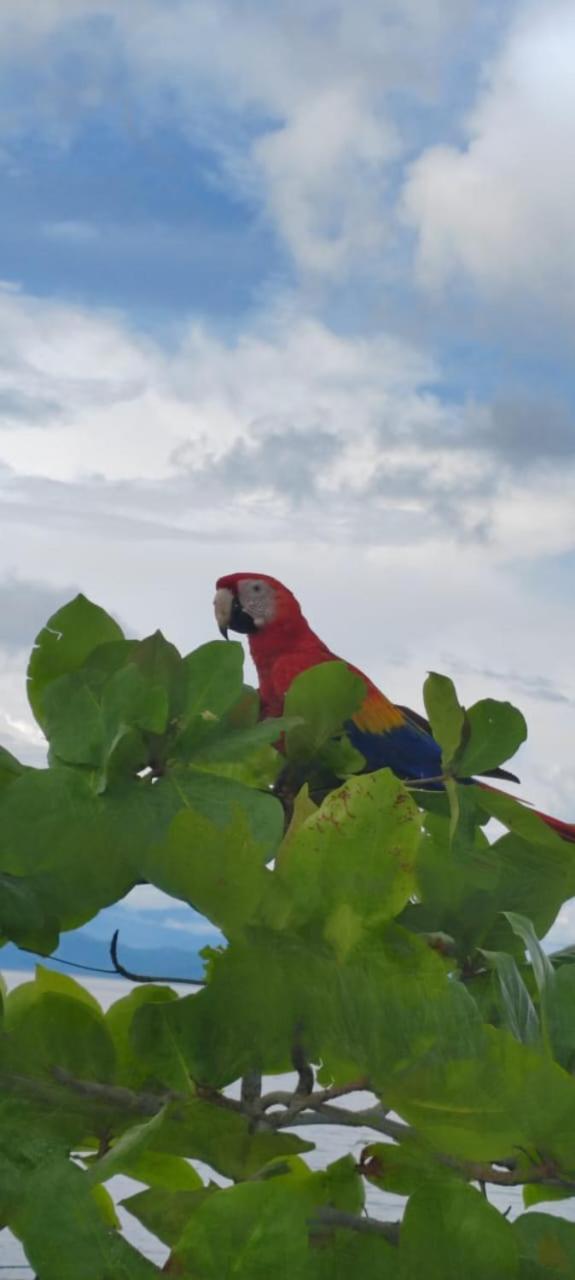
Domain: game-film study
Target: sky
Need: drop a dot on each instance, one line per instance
(291, 289)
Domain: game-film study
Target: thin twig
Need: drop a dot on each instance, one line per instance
(326, 1216)
(142, 977)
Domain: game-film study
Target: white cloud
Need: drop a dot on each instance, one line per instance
(294, 101)
(144, 897)
(200, 928)
(497, 211)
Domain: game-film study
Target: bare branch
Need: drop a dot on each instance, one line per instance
(143, 977)
(328, 1217)
(281, 1097)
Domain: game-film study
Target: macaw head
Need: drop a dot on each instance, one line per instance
(250, 602)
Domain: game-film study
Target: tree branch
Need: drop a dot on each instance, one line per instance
(281, 1097)
(328, 1217)
(143, 977)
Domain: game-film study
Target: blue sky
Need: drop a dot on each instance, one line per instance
(293, 288)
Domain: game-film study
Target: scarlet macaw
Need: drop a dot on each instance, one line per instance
(282, 645)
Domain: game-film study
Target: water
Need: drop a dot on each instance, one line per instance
(332, 1141)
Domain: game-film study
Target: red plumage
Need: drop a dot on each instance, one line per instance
(285, 645)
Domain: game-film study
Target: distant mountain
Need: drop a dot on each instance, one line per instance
(155, 963)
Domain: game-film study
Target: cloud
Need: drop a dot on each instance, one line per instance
(199, 927)
(496, 211)
(24, 608)
(147, 441)
(295, 105)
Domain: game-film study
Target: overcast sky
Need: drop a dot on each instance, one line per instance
(291, 288)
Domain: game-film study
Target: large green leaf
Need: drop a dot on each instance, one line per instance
(256, 1224)
(130, 1070)
(495, 731)
(546, 1247)
(343, 1255)
(386, 1005)
(263, 1225)
(475, 740)
(220, 872)
(502, 1098)
(450, 1231)
(535, 878)
(517, 817)
(24, 917)
(46, 1029)
(457, 883)
(64, 1234)
(402, 1168)
(221, 1138)
(323, 697)
(77, 851)
(165, 1212)
(10, 767)
(63, 645)
(213, 679)
(352, 862)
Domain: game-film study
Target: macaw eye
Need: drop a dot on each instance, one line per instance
(257, 586)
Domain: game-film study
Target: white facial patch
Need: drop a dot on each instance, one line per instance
(258, 599)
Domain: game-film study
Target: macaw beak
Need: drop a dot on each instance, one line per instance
(229, 614)
(223, 604)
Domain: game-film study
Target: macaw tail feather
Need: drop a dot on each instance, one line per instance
(564, 829)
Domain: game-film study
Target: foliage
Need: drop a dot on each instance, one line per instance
(378, 940)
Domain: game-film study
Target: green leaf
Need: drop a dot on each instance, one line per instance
(256, 1224)
(24, 918)
(535, 879)
(503, 1096)
(220, 1138)
(212, 679)
(495, 731)
(63, 645)
(446, 716)
(561, 1014)
(64, 1234)
(126, 1149)
(228, 744)
(536, 1192)
(62, 984)
(170, 1173)
(542, 967)
(220, 872)
(101, 1196)
(457, 884)
(546, 1246)
(384, 1006)
(46, 1029)
(356, 853)
(130, 1071)
(10, 767)
(400, 1168)
(219, 800)
(518, 1008)
(515, 816)
(164, 1212)
(66, 849)
(450, 1231)
(342, 1255)
(157, 1047)
(323, 697)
